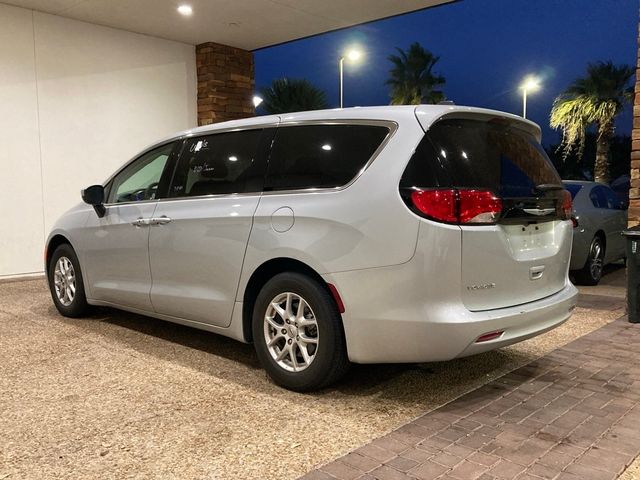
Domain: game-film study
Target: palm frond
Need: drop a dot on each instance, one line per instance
(286, 95)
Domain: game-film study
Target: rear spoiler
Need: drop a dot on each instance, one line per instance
(427, 115)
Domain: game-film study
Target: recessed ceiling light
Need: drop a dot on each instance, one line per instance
(185, 10)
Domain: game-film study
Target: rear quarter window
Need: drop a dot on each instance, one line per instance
(321, 156)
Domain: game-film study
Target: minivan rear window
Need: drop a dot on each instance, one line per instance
(321, 156)
(494, 155)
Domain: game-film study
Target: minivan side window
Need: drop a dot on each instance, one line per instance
(321, 156)
(221, 163)
(139, 180)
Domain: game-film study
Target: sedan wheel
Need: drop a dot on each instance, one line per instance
(596, 256)
(591, 273)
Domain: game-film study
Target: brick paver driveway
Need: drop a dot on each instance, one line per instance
(573, 414)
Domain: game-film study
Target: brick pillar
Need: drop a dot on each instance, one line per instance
(225, 83)
(634, 193)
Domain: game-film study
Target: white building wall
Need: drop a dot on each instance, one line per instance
(77, 100)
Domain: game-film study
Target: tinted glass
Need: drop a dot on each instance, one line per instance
(222, 163)
(598, 197)
(613, 202)
(139, 180)
(481, 154)
(573, 189)
(321, 156)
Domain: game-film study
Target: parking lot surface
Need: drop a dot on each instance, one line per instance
(119, 395)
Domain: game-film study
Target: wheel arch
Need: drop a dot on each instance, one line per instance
(264, 273)
(54, 242)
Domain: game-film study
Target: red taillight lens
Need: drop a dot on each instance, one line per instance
(439, 205)
(566, 207)
(479, 206)
(458, 206)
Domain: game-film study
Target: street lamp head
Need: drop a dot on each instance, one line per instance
(354, 54)
(530, 84)
(257, 101)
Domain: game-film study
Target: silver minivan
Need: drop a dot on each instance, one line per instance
(366, 235)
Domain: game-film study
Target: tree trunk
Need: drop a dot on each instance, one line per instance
(601, 167)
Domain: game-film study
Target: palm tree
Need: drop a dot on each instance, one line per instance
(286, 95)
(411, 78)
(595, 99)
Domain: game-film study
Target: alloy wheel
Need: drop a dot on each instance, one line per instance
(64, 281)
(291, 332)
(596, 254)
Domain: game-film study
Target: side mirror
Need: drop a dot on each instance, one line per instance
(94, 195)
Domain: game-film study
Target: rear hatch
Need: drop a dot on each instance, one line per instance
(507, 198)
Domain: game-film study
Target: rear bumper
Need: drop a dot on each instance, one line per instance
(521, 322)
(392, 324)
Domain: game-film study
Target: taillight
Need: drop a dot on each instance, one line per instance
(459, 206)
(566, 207)
(574, 220)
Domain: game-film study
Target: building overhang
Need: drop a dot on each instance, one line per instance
(246, 24)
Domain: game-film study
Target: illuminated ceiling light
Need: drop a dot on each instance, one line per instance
(326, 147)
(185, 10)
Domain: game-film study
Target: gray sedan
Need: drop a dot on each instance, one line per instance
(599, 217)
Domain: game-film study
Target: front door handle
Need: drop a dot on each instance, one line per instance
(160, 220)
(141, 222)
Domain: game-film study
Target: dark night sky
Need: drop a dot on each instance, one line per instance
(486, 48)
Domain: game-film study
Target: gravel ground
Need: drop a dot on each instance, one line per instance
(123, 396)
(633, 472)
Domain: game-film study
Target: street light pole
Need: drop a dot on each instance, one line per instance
(530, 84)
(353, 55)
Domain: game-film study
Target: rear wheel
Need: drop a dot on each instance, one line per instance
(65, 282)
(591, 273)
(298, 334)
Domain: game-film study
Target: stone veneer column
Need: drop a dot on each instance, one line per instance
(225, 83)
(634, 193)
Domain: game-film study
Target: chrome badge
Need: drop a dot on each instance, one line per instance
(483, 286)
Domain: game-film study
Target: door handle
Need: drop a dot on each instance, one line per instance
(141, 222)
(160, 220)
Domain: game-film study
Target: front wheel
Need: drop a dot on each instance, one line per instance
(591, 273)
(298, 334)
(65, 282)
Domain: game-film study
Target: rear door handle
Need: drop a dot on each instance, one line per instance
(163, 220)
(141, 222)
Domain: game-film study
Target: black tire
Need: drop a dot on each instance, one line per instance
(77, 307)
(330, 362)
(591, 273)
